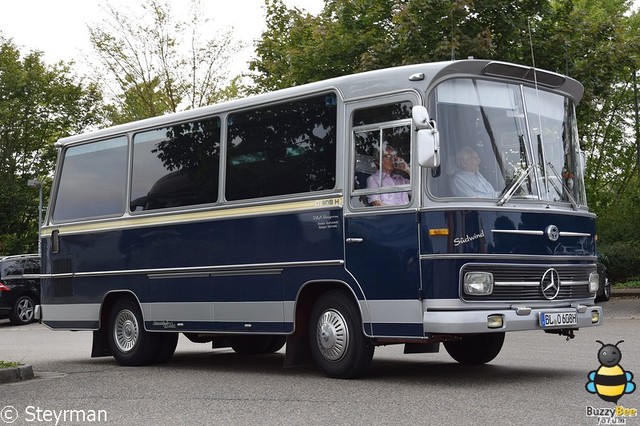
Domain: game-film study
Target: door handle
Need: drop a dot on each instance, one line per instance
(354, 240)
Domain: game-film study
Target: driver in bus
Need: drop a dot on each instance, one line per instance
(391, 164)
(468, 181)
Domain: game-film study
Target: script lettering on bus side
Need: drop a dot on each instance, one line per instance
(468, 239)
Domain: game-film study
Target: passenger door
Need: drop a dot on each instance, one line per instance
(382, 237)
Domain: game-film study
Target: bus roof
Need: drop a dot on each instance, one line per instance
(364, 84)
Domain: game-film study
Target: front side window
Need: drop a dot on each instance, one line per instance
(382, 155)
(282, 149)
(505, 140)
(93, 180)
(176, 165)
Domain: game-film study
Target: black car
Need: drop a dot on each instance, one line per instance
(604, 289)
(19, 288)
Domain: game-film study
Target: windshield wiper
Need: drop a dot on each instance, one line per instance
(567, 191)
(515, 185)
(542, 161)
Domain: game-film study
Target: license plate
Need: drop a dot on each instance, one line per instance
(558, 319)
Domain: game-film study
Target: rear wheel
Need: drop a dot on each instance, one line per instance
(475, 349)
(338, 344)
(129, 342)
(22, 311)
(260, 344)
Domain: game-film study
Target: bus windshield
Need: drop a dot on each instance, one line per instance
(506, 141)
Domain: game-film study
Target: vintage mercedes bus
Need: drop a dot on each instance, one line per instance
(418, 205)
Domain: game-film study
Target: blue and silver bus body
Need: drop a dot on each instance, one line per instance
(256, 266)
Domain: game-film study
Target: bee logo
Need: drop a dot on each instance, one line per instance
(610, 381)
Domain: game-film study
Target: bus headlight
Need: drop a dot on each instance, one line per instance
(594, 282)
(478, 283)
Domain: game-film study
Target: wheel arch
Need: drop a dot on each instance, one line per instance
(310, 291)
(109, 300)
(100, 346)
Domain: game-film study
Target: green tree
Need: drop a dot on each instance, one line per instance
(38, 105)
(358, 35)
(603, 56)
(596, 42)
(298, 48)
(155, 63)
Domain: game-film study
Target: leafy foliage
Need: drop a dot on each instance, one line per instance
(621, 259)
(38, 105)
(157, 63)
(9, 364)
(596, 42)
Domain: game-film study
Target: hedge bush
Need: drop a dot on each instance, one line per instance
(622, 259)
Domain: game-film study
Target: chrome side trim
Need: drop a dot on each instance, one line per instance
(215, 274)
(254, 268)
(516, 231)
(574, 234)
(522, 257)
(533, 232)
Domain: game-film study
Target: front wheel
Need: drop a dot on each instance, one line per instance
(129, 342)
(338, 344)
(475, 349)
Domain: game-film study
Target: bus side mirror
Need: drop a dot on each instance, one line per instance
(427, 137)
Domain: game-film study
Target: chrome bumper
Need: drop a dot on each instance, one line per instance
(518, 318)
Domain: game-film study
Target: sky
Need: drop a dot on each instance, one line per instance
(58, 28)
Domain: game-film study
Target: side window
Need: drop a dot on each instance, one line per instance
(282, 149)
(382, 155)
(31, 266)
(176, 166)
(93, 180)
(11, 268)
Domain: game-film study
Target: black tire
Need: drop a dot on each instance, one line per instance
(260, 344)
(23, 311)
(338, 344)
(606, 291)
(167, 343)
(129, 343)
(475, 349)
(277, 343)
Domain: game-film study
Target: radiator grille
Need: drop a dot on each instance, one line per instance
(522, 282)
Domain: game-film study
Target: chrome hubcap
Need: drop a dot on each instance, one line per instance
(126, 331)
(332, 335)
(25, 310)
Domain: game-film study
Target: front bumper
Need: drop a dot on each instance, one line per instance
(514, 319)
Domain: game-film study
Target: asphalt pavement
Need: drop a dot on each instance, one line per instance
(624, 304)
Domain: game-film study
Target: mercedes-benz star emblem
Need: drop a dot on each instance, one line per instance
(550, 284)
(552, 232)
